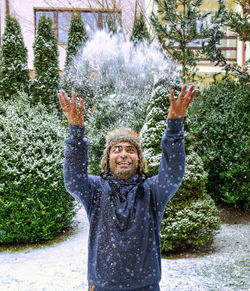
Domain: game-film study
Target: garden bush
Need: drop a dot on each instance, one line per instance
(190, 219)
(221, 137)
(34, 205)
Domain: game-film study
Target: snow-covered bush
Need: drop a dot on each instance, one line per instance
(14, 72)
(46, 79)
(191, 218)
(34, 205)
(220, 129)
(155, 123)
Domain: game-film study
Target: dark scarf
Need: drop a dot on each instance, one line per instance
(123, 220)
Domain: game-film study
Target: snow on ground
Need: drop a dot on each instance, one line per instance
(62, 265)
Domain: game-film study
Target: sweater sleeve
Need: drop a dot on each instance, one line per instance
(76, 179)
(172, 164)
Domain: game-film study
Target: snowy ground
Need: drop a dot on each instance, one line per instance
(62, 264)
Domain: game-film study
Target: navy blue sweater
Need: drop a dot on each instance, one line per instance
(124, 238)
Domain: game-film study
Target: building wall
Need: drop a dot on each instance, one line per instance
(23, 10)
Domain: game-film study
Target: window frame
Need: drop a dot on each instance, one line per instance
(71, 10)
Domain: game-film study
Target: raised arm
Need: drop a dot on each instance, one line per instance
(172, 165)
(75, 168)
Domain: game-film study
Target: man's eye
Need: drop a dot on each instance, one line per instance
(131, 150)
(117, 149)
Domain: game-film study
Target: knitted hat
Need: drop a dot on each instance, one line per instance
(122, 134)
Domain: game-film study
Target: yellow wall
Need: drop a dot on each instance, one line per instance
(205, 79)
(212, 5)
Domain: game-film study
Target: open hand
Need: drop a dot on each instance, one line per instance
(178, 108)
(73, 112)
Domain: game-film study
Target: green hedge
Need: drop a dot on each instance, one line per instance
(221, 137)
(191, 218)
(34, 205)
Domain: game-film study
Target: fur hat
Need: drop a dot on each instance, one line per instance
(122, 134)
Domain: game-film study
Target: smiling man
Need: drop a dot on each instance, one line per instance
(124, 207)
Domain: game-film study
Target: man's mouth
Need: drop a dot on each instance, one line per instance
(124, 163)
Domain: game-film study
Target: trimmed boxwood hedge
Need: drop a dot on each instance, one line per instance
(34, 205)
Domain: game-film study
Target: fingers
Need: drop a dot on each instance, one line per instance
(189, 98)
(191, 94)
(190, 90)
(81, 106)
(63, 99)
(171, 97)
(65, 103)
(74, 102)
(73, 94)
(183, 91)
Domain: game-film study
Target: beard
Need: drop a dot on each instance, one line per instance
(124, 174)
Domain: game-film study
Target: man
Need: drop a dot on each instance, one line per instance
(124, 207)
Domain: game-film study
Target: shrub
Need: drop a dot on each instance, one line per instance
(155, 122)
(191, 218)
(34, 205)
(46, 79)
(77, 37)
(221, 138)
(14, 72)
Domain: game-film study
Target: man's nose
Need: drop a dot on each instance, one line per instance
(123, 153)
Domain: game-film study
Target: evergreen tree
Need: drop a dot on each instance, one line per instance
(77, 37)
(14, 73)
(46, 79)
(140, 31)
(73, 79)
(179, 24)
(112, 23)
(191, 218)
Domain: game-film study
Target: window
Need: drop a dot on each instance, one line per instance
(93, 20)
(228, 44)
(63, 26)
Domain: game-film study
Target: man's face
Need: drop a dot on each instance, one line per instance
(123, 160)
